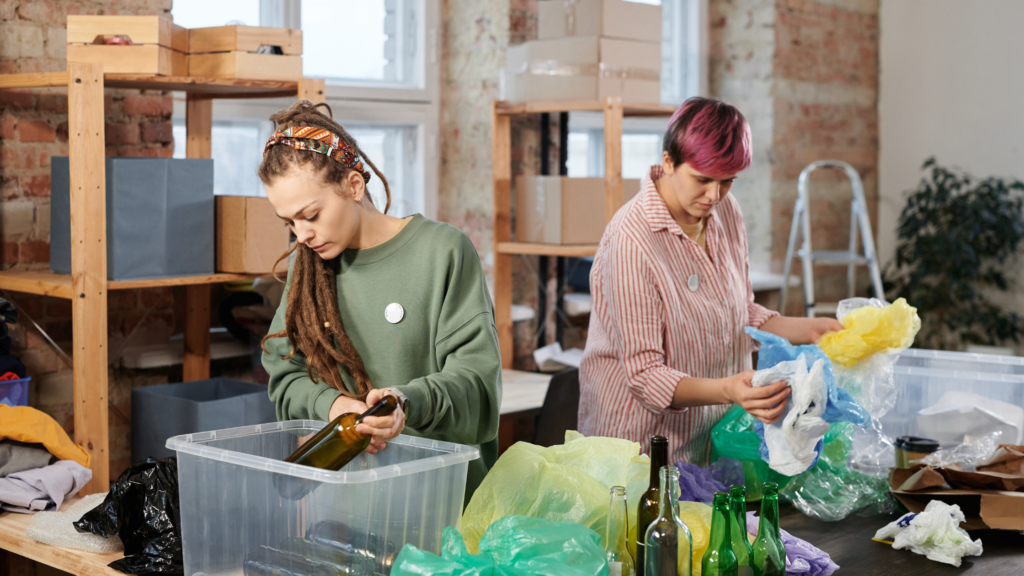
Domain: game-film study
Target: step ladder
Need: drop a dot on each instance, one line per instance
(850, 258)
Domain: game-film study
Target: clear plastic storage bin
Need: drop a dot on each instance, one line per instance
(961, 361)
(235, 521)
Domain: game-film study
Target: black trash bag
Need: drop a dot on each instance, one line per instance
(143, 509)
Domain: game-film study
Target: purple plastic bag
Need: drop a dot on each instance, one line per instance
(801, 557)
(697, 484)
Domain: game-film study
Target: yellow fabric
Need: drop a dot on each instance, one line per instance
(26, 424)
(239, 286)
(871, 330)
(697, 518)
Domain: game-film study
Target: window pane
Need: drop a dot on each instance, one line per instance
(236, 148)
(639, 152)
(393, 150)
(579, 155)
(359, 41)
(204, 13)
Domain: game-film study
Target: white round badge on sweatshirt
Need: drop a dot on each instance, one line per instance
(394, 313)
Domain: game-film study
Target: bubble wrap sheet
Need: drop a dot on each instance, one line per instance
(55, 528)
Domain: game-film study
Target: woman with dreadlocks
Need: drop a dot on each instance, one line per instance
(375, 305)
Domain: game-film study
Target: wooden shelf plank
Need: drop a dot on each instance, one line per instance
(43, 283)
(13, 539)
(546, 249)
(510, 108)
(210, 86)
(34, 80)
(59, 285)
(179, 281)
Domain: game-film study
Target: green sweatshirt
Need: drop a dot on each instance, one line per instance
(443, 354)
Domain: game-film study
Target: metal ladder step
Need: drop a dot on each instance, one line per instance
(835, 257)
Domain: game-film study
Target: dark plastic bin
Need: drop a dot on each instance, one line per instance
(14, 392)
(160, 412)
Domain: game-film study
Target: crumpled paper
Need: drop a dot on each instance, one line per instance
(934, 533)
(802, 558)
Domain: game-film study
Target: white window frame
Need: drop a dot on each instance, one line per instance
(684, 31)
(592, 123)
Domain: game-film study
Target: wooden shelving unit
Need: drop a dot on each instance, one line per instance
(501, 142)
(87, 285)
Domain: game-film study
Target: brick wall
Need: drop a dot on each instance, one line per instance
(805, 73)
(34, 128)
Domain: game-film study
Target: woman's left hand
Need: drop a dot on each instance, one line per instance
(381, 428)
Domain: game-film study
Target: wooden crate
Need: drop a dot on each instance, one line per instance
(230, 52)
(250, 236)
(158, 45)
(243, 39)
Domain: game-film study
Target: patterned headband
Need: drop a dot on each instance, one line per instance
(319, 140)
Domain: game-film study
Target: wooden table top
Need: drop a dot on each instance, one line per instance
(13, 539)
(849, 544)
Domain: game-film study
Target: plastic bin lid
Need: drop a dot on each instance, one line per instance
(958, 374)
(962, 356)
(449, 454)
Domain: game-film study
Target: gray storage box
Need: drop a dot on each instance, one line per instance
(160, 412)
(160, 214)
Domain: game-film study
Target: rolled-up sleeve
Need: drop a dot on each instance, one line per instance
(635, 321)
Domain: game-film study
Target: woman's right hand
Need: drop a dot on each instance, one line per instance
(765, 403)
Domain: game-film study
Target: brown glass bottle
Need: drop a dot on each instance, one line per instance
(334, 446)
(647, 511)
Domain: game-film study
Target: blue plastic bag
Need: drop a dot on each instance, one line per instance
(512, 546)
(840, 408)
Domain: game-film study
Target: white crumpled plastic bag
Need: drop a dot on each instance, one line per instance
(935, 533)
(793, 439)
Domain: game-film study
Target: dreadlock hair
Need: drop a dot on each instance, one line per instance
(312, 320)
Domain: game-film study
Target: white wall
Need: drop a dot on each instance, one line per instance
(951, 86)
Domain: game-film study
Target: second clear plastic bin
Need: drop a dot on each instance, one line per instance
(234, 520)
(962, 394)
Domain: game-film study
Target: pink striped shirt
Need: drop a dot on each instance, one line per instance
(665, 310)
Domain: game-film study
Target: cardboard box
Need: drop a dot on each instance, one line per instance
(250, 236)
(563, 210)
(611, 18)
(231, 52)
(159, 47)
(586, 68)
(995, 509)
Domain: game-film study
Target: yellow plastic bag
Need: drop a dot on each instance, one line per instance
(568, 483)
(697, 517)
(870, 330)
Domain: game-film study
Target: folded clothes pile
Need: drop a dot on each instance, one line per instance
(40, 466)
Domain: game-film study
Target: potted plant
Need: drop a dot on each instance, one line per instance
(955, 239)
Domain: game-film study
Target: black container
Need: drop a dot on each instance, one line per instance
(913, 448)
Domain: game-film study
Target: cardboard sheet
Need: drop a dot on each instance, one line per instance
(983, 496)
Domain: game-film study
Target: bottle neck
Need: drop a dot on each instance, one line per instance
(738, 507)
(385, 406)
(668, 495)
(616, 531)
(770, 516)
(719, 526)
(659, 459)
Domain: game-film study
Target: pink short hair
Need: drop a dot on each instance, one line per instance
(710, 135)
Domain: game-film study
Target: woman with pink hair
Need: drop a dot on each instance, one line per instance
(666, 350)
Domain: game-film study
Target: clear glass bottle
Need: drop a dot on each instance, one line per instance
(647, 510)
(669, 546)
(620, 562)
(740, 542)
(719, 559)
(769, 551)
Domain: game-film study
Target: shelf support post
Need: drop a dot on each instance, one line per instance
(501, 161)
(312, 89)
(196, 362)
(612, 157)
(86, 146)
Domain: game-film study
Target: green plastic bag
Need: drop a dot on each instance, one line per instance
(567, 483)
(512, 546)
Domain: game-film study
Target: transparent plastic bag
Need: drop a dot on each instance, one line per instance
(934, 533)
(871, 327)
(512, 546)
(55, 529)
(567, 483)
(969, 455)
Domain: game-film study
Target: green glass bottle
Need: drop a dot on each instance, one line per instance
(668, 543)
(769, 551)
(647, 510)
(620, 563)
(334, 446)
(719, 559)
(740, 542)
